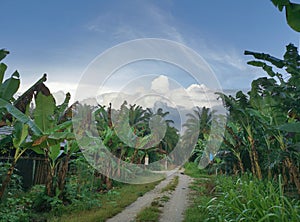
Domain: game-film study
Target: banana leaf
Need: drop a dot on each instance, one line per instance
(20, 116)
(290, 127)
(43, 112)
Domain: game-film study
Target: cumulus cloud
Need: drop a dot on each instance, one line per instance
(160, 84)
(180, 97)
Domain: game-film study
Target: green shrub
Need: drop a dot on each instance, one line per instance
(15, 184)
(15, 209)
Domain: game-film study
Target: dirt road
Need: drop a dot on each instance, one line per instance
(173, 209)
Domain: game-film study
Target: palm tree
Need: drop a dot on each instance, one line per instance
(198, 127)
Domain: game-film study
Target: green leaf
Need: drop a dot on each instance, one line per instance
(3, 53)
(290, 127)
(292, 12)
(62, 136)
(72, 147)
(59, 127)
(263, 65)
(3, 68)
(10, 86)
(280, 3)
(293, 16)
(262, 56)
(20, 133)
(20, 116)
(43, 112)
(54, 151)
(37, 150)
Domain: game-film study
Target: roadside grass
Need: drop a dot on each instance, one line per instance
(200, 196)
(202, 189)
(244, 198)
(191, 169)
(112, 203)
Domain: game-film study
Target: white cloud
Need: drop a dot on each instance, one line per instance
(180, 97)
(196, 87)
(160, 84)
(143, 20)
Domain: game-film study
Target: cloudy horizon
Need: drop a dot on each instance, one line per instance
(62, 39)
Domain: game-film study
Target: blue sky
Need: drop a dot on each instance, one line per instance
(62, 37)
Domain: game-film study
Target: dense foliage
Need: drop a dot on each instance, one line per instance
(263, 128)
(260, 148)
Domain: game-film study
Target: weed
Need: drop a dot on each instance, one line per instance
(150, 214)
(165, 198)
(172, 185)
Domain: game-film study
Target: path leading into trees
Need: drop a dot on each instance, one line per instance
(172, 211)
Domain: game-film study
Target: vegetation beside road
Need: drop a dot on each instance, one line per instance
(232, 198)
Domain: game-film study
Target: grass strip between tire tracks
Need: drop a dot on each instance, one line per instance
(152, 213)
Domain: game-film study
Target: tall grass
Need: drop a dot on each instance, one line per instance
(249, 199)
(245, 198)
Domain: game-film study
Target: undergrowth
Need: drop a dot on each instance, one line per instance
(245, 198)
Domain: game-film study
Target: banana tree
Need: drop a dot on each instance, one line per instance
(10, 115)
(233, 142)
(20, 134)
(279, 109)
(47, 117)
(45, 138)
(239, 108)
(46, 130)
(8, 88)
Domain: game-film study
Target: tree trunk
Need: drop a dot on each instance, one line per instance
(7, 179)
(50, 188)
(119, 167)
(241, 166)
(269, 173)
(62, 173)
(294, 172)
(252, 163)
(256, 162)
(235, 171)
(284, 177)
(255, 158)
(108, 183)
